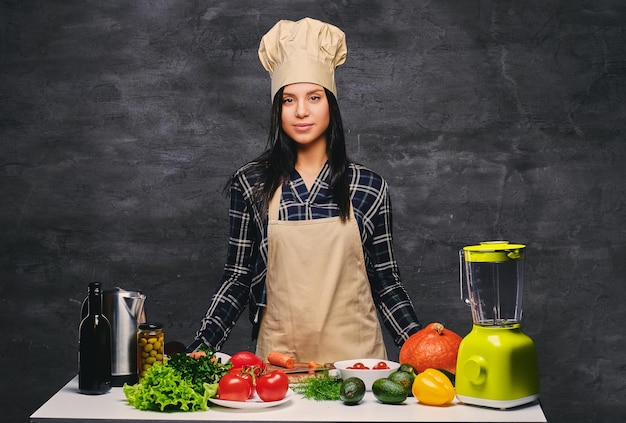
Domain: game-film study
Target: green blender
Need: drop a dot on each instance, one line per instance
(497, 362)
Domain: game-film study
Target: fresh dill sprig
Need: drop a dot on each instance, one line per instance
(321, 388)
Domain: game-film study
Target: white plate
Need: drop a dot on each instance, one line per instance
(254, 402)
(222, 356)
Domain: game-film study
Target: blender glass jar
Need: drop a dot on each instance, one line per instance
(492, 279)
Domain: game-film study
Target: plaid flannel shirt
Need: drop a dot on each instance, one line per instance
(243, 279)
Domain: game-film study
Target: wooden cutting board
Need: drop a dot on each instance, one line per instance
(301, 368)
(301, 371)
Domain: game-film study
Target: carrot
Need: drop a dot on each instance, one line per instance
(196, 354)
(279, 359)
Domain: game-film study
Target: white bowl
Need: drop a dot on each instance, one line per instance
(367, 376)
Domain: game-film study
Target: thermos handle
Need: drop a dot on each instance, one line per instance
(462, 274)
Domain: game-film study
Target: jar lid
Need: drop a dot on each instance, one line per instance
(494, 252)
(150, 326)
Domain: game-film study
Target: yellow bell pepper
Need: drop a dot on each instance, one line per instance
(432, 387)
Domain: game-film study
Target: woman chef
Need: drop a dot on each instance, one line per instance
(310, 248)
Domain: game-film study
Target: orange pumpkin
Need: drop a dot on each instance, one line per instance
(431, 347)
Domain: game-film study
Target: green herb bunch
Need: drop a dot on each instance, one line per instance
(321, 388)
(197, 371)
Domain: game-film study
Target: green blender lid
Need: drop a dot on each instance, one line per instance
(494, 252)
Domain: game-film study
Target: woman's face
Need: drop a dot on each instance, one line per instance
(305, 113)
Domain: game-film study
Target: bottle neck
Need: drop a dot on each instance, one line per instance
(95, 299)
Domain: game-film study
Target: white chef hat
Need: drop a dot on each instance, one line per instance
(304, 51)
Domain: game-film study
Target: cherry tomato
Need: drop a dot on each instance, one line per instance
(381, 365)
(233, 387)
(272, 386)
(247, 359)
(358, 366)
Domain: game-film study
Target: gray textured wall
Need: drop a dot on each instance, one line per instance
(120, 122)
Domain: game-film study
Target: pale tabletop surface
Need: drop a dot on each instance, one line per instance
(67, 405)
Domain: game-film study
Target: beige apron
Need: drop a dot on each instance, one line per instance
(319, 303)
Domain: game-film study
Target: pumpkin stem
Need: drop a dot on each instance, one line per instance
(438, 327)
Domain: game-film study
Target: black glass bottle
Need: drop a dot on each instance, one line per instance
(94, 350)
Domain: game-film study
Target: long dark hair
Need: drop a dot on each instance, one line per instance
(279, 159)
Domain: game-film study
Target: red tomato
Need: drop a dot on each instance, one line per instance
(272, 386)
(247, 359)
(381, 365)
(359, 366)
(233, 387)
(247, 375)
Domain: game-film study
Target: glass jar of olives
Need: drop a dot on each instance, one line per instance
(150, 342)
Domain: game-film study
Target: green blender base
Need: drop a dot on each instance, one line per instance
(497, 367)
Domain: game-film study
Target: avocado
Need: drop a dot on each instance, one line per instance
(405, 367)
(405, 379)
(388, 392)
(352, 390)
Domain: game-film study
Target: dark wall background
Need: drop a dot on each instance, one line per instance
(121, 121)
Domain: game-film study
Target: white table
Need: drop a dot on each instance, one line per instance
(67, 405)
